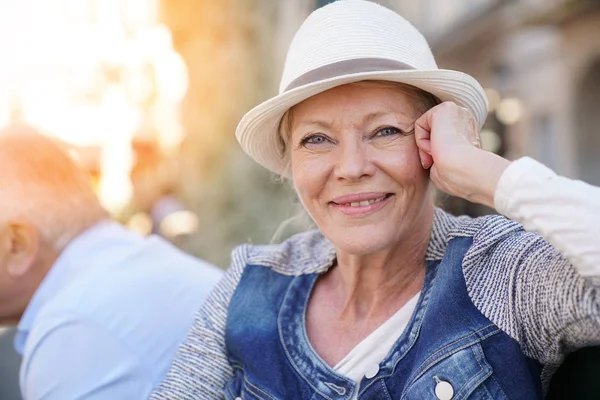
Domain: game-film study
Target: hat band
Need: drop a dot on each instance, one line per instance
(347, 67)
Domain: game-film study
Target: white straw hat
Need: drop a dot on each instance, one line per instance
(349, 41)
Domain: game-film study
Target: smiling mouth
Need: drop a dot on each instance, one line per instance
(365, 203)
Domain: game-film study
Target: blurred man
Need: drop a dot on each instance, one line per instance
(9, 365)
(100, 310)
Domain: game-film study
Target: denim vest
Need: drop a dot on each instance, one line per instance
(447, 340)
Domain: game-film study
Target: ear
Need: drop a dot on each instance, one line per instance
(22, 241)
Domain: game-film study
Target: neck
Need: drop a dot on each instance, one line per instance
(26, 286)
(383, 281)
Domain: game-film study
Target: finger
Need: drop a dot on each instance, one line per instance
(423, 141)
(426, 159)
(423, 132)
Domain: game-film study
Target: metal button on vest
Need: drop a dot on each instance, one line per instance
(238, 398)
(444, 390)
(372, 371)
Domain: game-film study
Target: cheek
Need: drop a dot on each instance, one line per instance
(309, 177)
(402, 163)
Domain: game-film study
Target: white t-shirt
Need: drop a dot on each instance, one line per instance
(364, 359)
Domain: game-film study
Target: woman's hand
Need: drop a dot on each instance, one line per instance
(449, 146)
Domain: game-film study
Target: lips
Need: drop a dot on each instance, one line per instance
(362, 204)
(360, 199)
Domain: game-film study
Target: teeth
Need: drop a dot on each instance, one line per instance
(364, 203)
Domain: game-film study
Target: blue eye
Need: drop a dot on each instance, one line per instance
(315, 140)
(388, 131)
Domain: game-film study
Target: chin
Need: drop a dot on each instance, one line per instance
(362, 243)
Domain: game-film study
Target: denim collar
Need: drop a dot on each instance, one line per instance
(305, 360)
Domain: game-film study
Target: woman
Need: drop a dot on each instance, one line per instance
(390, 297)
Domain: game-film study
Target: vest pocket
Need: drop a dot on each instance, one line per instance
(456, 374)
(238, 387)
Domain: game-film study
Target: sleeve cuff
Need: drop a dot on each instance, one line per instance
(524, 170)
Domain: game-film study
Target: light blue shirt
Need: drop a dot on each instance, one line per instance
(108, 318)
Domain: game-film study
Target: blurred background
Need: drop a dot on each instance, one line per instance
(148, 93)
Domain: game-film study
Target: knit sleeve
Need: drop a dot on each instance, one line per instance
(531, 291)
(200, 368)
(564, 211)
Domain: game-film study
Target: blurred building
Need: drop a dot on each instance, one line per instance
(539, 61)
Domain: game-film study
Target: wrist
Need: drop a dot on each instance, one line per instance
(480, 173)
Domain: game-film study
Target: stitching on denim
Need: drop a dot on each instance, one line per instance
(422, 307)
(384, 388)
(338, 389)
(230, 393)
(479, 356)
(489, 376)
(499, 387)
(234, 366)
(256, 391)
(442, 353)
(285, 349)
(475, 376)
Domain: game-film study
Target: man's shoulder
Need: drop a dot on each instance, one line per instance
(152, 269)
(152, 294)
(157, 256)
(148, 320)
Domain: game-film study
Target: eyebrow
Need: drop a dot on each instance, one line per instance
(320, 124)
(367, 119)
(372, 116)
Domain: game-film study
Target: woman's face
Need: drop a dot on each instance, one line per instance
(356, 166)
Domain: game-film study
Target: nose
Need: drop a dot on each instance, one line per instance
(353, 161)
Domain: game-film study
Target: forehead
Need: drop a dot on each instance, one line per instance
(358, 99)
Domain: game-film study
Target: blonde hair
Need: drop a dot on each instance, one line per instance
(422, 101)
(41, 184)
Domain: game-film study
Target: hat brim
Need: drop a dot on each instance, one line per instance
(258, 129)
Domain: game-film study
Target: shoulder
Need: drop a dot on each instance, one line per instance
(486, 232)
(503, 237)
(148, 303)
(304, 253)
(140, 331)
(137, 275)
(56, 362)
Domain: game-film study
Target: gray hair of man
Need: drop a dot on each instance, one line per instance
(41, 184)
